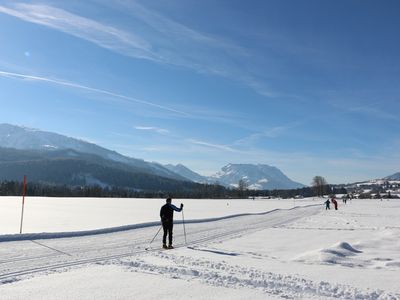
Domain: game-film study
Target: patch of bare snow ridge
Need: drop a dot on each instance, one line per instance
(104, 282)
(340, 253)
(227, 275)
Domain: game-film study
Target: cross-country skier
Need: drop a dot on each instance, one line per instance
(167, 220)
(327, 204)
(334, 203)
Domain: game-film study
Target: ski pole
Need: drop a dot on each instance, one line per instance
(154, 237)
(184, 228)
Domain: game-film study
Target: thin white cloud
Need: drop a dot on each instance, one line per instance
(161, 44)
(87, 88)
(178, 31)
(184, 46)
(156, 38)
(355, 105)
(105, 36)
(272, 132)
(151, 128)
(373, 111)
(210, 145)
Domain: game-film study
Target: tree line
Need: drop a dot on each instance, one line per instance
(199, 191)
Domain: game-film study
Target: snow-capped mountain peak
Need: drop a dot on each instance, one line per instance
(258, 176)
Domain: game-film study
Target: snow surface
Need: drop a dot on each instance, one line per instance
(75, 214)
(112, 282)
(304, 252)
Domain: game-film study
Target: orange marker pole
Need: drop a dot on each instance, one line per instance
(23, 204)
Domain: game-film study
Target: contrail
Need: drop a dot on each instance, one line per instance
(88, 88)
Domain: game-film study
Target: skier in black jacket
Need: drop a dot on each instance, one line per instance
(327, 204)
(167, 220)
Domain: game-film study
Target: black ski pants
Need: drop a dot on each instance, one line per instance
(167, 227)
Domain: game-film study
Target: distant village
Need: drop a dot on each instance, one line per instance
(375, 189)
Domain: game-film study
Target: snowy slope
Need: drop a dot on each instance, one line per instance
(44, 214)
(298, 253)
(72, 168)
(24, 138)
(186, 172)
(395, 176)
(260, 176)
(257, 176)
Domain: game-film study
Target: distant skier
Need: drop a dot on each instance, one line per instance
(334, 203)
(327, 204)
(167, 220)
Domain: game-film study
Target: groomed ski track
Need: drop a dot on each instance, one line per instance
(20, 259)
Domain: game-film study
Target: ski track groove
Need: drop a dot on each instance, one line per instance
(217, 231)
(208, 272)
(217, 237)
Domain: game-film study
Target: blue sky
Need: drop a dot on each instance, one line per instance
(311, 87)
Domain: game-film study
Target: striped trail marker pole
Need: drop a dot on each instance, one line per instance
(23, 204)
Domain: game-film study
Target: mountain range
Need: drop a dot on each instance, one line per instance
(256, 177)
(23, 138)
(68, 167)
(57, 159)
(395, 176)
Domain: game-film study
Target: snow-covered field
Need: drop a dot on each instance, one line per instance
(303, 252)
(74, 214)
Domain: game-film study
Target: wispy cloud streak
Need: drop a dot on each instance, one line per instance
(155, 38)
(152, 128)
(267, 133)
(105, 36)
(183, 46)
(374, 109)
(90, 89)
(210, 145)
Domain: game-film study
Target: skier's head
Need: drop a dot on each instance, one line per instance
(168, 200)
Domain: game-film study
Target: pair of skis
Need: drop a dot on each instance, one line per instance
(158, 231)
